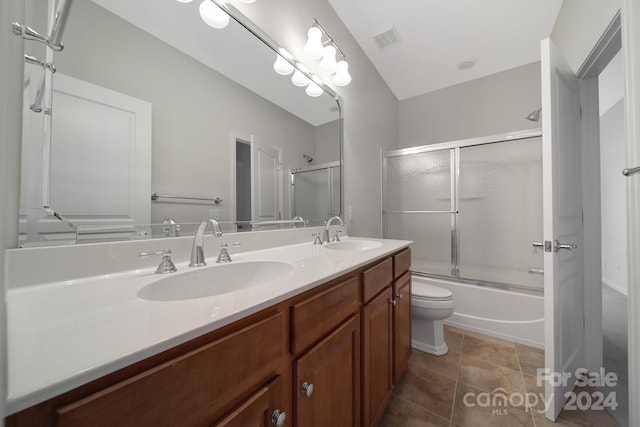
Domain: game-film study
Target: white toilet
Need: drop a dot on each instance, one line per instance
(430, 305)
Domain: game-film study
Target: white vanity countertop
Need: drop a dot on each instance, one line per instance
(65, 334)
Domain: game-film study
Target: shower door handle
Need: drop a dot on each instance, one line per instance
(537, 245)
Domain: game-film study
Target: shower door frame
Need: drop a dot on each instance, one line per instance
(454, 147)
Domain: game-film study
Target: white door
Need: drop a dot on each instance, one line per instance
(266, 183)
(99, 161)
(562, 212)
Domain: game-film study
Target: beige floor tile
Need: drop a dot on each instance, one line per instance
(531, 359)
(430, 390)
(489, 377)
(446, 365)
(402, 413)
(491, 351)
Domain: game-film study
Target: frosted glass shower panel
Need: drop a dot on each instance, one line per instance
(501, 212)
(316, 193)
(431, 235)
(419, 181)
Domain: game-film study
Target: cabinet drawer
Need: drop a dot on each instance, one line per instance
(193, 389)
(376, 278)
(315, 317)
(259, 409)
(401, 263)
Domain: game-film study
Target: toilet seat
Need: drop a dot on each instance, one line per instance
(424, 291)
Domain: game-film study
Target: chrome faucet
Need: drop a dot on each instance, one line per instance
(197, 252)
(327, 224)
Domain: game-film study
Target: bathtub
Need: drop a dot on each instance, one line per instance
(508, 314)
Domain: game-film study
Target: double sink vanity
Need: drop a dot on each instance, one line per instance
(287, 333)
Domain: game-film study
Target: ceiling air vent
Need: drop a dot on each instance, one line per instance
(387, 38)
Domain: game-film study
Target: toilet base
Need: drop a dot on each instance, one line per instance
(428, 335)
(437, 350)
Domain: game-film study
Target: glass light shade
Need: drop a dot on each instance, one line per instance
(299, 79)
(212, 15)
(328, 63)
(313, 49)
(314, 90)
(282, 66)
(247, 1)
(185, 1)
(342, 76)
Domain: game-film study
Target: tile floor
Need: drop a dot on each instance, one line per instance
(450, 390)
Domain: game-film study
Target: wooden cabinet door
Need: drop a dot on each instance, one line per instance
(377, 339)
(264, 408)
(332, 369)
(401, 325)
(194, 389)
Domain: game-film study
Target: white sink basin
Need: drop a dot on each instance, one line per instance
(214, 280)
(353, 245)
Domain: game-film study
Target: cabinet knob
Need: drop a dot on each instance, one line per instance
(307, 389)
(393, 302)
(399, 295)
(279, 418)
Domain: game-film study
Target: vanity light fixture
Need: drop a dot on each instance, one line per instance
(313, 90)
(328, 63)
(282, 66)
(213, 15)
(313, 49)
(247, 1)
(342, 76)
(299, 79)
(326, 50)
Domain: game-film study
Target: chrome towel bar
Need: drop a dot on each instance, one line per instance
(156, 196)
(631, 171)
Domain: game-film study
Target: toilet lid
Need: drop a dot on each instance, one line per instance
(430, 292)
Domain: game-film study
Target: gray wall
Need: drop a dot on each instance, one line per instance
(195, 109)
(370, 108)
(489, 105)
(613, 185)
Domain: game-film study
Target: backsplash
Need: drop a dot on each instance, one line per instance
(36, 266)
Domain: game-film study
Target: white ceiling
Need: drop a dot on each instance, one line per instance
(437, 35)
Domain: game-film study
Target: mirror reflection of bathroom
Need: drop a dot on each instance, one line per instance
(173, 109)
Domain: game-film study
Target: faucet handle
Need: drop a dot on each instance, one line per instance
(223, 256)
(226, 245)
(336, 238)
(318, 239)
(166, 264)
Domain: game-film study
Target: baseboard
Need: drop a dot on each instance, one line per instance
(616, 287)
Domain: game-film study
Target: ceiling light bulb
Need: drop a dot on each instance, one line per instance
(313, 49)
(247, 1)
(342, 76)
(328, 63)
(282, 66)
(185, 1)
(313, 90)
(299, 79)
(212, 15)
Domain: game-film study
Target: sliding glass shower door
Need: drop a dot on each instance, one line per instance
(473, 209)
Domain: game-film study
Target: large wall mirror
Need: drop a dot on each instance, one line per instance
(154, 115)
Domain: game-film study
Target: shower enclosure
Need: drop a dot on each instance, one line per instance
(315, 191)
(473, 208)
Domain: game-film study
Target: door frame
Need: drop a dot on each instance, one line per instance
(631, 46)
(605, 49)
